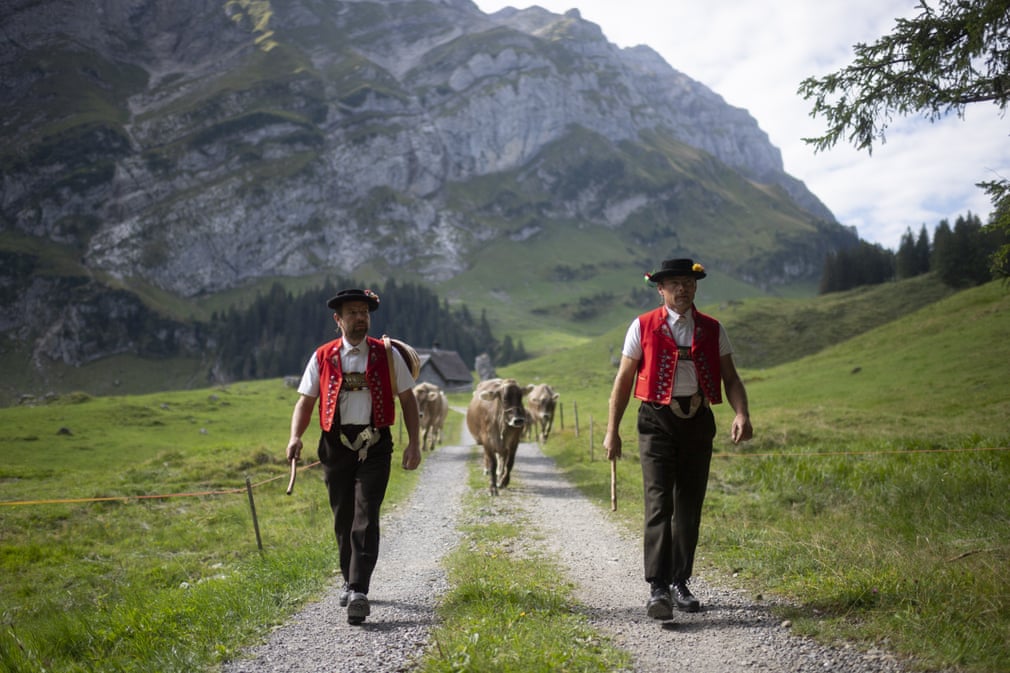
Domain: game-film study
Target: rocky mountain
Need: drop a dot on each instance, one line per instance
(183, 149)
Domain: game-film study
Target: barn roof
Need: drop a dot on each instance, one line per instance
(447, 366)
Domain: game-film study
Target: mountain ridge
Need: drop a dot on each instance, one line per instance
(203, 146)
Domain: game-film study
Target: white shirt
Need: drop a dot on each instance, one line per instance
(685, 380)
(356, 405)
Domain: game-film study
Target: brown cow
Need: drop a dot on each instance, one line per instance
(433, 407)
(443, 413)
(542, 402)
(496, 419)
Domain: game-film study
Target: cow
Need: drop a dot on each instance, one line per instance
(542, 402)
(443, 413)
(433, 407)
(497, 419)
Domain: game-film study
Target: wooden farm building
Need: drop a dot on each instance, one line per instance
(445, 369)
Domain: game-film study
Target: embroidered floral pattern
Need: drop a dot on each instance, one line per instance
(383, 412)
(661, 353)
(376, 375)
(707, 379)
(329, 353)
(663, 383)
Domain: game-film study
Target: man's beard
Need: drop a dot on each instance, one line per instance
(681, 303)
(356, 332)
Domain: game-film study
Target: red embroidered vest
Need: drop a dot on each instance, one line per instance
(376, 374)
(658, 367)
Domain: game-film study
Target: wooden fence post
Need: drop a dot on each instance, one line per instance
(575, 410)
(252, 506)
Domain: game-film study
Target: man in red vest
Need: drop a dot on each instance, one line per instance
(675, 360)
(356, 379)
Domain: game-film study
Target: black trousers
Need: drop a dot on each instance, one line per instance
(356, 490)
(675, 454)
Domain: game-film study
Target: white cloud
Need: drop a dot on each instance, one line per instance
(755, 53)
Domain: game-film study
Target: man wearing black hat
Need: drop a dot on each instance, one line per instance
(356, 379)
(675, 360)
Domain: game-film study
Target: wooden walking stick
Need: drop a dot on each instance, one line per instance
(294, 473)
(613, 484)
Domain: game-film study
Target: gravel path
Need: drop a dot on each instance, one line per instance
(731, 633)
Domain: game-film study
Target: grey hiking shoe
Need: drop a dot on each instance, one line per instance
(357, 608)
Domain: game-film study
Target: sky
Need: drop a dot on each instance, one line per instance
(755, 53)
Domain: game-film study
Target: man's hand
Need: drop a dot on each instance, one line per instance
(612, 443)
(294, 451)
(742, 430)
(411, 456)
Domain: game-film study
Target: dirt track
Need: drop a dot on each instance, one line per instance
(731, 633)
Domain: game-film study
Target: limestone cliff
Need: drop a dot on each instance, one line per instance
(200, 144)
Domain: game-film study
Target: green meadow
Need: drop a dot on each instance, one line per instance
(870, 508)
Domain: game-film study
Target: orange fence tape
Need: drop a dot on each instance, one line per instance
(128, 498)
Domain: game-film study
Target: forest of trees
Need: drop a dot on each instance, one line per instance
(961, 256)
(275, 335)
(864, 264)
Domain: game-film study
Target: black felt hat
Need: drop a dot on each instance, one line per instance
(677, 267)
(366, 296)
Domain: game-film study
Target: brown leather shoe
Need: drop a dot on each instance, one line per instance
(683, 597)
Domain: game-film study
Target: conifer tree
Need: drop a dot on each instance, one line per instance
(944, 259)
(905, 260)
(922, 251)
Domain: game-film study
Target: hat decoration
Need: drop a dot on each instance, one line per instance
(677, 267)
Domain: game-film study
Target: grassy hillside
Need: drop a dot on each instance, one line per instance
(773, 330)
(765, 331)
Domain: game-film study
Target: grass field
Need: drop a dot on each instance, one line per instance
(873, 499)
